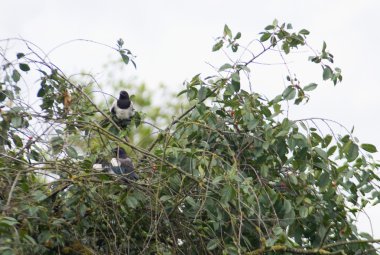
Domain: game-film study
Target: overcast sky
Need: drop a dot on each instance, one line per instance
(173, 40)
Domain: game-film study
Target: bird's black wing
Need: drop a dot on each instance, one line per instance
(113, 109)
(102, 166)
(126, 168)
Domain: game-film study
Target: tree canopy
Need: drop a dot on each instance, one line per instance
(223, 170)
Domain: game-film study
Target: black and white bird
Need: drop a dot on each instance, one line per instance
(123, 107)
(120, 165)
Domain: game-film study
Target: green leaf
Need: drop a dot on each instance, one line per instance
(327, 141)
(196, 80)
(327, 73)
(71, 152)
(24, 67)
(217, 179)
(120, 42)
(29, 239)
(235, 47)
(3, 96)
(289, 93)
(285, 47)
(299, 136)
(9, 221)
(282, 133)
(38, 195)
(310, 87)
(315, 59)
(235, 81)
(293, 179)
(131, 201)
(368, 147)
(273, 41)
(324, 179)
(331, 150)
(227, 194)
(57, 144)
(191, 202)
(287, 206)
(42, 71)
(321, 153)
(352, 150)
(202, 93)
(182, 92)
(237, 36)
(35, 155)
(366, 236)
(16, 121)
(252, 124)
(82, 209)
(265, 110)
(165, 198)
(125, 58)
(225, 67)
(16, 75)
(303, 211)
(230, 249)
(269, 27)
(41, 92)
(277, 108)
(134, 64)
(217, 46)
(212, 244)
(299, 99)
(58, 222)
(265, 37)
(324, 46)
(17, 140)
(20, 55)
(137, 119)
(227, 31)
(192, 93)
(304, 32)
(278, 231)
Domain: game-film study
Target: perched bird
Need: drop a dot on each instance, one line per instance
(123, 107)
(120, 165)
(123, 164)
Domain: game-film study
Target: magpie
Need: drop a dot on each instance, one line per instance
(123, 164)
(123, 107)
(120, 165)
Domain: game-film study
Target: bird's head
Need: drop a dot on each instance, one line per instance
(119, 152)
(124, 94)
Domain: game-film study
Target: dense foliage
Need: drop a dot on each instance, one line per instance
(230, 174)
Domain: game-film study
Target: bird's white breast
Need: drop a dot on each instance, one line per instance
(123, 113)
(97, 167)
(115, 162)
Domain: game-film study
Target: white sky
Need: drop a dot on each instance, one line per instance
(173, 41)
